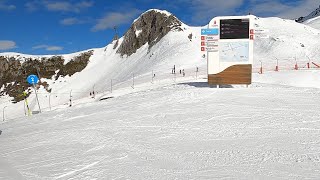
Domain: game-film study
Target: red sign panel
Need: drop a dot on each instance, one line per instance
(203, 44)
(203, 49)
(203, 38)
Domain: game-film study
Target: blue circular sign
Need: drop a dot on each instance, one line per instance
(33, 79)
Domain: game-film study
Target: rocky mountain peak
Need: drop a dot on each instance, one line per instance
(149, 28)
(313, 14)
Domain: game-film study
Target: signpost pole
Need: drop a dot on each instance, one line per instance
(26, 103)
(3, 112)
(132, 81)
(152, 77)
(70, 98)
(196, 72)
(111, 86)
(50, 101)
(33, 80)
(24, 108)
(35, 90)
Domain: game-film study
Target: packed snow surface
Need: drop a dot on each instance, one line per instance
(186, 130)
(156, 125)
(314, 22)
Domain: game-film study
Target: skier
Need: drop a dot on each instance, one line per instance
(180, 71)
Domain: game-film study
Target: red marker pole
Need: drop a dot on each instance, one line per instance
(296, 66)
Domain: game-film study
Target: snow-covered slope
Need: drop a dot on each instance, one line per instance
(314, 22)
(172, 126)
(288, 42)
(312, 15)
(182, 131)
(23, 57)
(312, 19)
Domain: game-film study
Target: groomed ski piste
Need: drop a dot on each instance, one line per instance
(174, 126)
(186, 130)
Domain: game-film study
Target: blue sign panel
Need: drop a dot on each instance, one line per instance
(33, 79)
(209, 31)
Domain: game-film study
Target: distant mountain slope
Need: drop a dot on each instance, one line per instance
(312, 15)
(156, 41)
(314, 22)
(288, 41)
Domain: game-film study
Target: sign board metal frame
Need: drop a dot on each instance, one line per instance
(229, 60)
(33, 80)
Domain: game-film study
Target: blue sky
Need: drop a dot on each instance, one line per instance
(66, 26)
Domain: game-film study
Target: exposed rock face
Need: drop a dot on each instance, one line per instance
(313, 14)
(150, 28)
(13, 73)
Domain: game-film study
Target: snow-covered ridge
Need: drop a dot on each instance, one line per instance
(314, 22)
(288, 42)
(22, 57)
(312, 15)
(311, 20)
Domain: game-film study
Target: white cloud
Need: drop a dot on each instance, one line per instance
(63, 6)
(289, 10)
(205, 10)
(67, 6)
(48, 48)
(303, 9)
(6, 45)
(115, 19)
(72, 21)
(6, 7)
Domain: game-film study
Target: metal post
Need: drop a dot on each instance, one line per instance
(94, 95)
(111, 86)
(37, 97)
(196, 72)
(152, 77)
(308, 64)
(24, 108)
(3, 111)
(26, 103)
(70, 98)
(50, 101)
(132, 81)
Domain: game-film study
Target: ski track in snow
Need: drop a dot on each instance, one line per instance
(177, 127)
(173, 132)
(69, 174)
